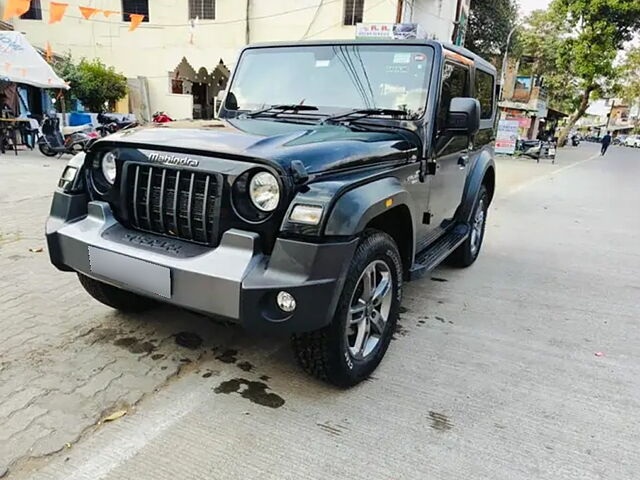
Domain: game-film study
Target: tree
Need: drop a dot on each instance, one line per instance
(92, 82)
(542, 38)
(598, 31)
(490, 22)
(629, 77)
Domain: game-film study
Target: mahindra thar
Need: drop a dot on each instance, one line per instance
(335, 172)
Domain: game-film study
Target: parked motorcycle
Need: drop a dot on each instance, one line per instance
(575, 140)
(110, 123)
(161, 117)
(536, 149)
(71, 140)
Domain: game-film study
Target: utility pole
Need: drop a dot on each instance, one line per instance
(503, 73)
(399, 11)
(247, 32)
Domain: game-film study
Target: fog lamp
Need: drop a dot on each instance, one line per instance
(286, 302)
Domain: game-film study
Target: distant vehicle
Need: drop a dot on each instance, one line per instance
(632, 141)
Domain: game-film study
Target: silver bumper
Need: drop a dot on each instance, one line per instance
(210, 282)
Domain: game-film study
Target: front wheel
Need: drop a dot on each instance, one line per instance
(115, 297)
(468, 251)
(46, 150)
(350, 348)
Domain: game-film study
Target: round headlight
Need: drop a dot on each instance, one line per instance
(264, 191)
(109, 167)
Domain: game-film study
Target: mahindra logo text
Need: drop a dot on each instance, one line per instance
(173, 160)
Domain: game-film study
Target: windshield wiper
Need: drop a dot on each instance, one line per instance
(276, 109)
(364, 113)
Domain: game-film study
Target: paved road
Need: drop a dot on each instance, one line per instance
(493, 373)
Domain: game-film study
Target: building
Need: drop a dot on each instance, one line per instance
(612, 114)
(524, 99)
(181, 55)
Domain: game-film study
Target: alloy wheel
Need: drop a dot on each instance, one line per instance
(369, 309)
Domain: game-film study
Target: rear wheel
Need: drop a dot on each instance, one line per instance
(115, 297)
(468, 251)
(350, 348)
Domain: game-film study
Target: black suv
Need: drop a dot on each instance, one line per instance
(337, 170)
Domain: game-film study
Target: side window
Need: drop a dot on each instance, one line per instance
(353, 11)
(485, 93)
(455, 83)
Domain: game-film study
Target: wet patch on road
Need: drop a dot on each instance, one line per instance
(135, 345)
(255, 392)
(157, 356)
(399, 331)
(228, 356)
(265, 378)
(439, 421)
(189, 340)
(246, 366)
(438, 279)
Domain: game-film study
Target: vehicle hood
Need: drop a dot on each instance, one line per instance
(319, 147)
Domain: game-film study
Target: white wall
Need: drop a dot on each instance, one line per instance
(157, 47)
(437, 17)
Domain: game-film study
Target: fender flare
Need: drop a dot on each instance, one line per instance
(483, 166)
(356, 207)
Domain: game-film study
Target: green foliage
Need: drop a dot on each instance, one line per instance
(577, 42)
(490, 22)
(91, 82)
(629, 77)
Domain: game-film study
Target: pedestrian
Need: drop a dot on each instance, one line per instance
(606, 141)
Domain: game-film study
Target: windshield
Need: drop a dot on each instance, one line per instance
(334, 78)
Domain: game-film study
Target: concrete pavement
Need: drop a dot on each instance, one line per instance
(492, 374)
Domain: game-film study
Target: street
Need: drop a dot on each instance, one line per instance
(523, 366)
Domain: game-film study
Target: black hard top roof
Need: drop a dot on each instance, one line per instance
(479, 61)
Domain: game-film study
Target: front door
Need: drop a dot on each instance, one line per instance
(451, 151)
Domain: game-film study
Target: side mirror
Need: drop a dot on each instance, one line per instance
(463, 117)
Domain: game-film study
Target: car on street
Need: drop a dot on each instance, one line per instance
(632, 141)
(336, 172)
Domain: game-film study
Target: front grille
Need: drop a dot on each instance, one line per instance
(177, 203)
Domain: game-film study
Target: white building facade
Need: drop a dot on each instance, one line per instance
(181, 54)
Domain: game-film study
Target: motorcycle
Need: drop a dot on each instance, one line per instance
(110, 124)
(71, 140)
(161, 117)
(536, 149)
(575, 140)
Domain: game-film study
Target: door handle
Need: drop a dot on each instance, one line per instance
(463, 160)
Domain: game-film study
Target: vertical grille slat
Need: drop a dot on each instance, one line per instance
(148, 194)
(205, 200)
(135, 198)
(164, 176)
(189, 203)
(174, 202)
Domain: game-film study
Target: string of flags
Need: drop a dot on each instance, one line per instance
(57, 10)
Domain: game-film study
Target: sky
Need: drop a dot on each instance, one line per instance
(527, 6)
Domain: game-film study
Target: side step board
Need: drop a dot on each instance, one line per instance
(437, 252)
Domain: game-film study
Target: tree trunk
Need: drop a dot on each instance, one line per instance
(577, 115)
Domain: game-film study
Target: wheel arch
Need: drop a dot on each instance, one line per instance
(483, 173)
(384, 205)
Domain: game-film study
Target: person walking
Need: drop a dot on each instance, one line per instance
(606, 141)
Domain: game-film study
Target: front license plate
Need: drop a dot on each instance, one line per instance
(131, 271)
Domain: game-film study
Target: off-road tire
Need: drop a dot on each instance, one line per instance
(324, 353)
(115, 297)
(464, 255)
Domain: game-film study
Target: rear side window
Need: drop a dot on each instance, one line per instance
(484, 93)
(455, 83)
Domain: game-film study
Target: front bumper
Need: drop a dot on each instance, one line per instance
(235, 281)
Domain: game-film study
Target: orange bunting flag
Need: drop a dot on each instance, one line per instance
(56, 11)
(106, 13)
(48, 53)
(15, 8)
(7, 66)
(88, 12)
(136, 19)
(23, 72)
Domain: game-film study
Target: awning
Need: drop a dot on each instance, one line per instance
(21, 63)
